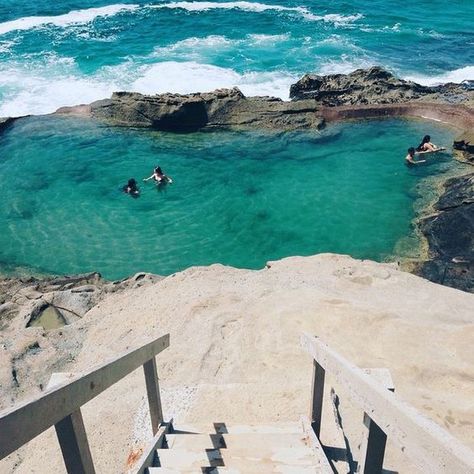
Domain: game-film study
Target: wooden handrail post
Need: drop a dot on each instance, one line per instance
(317, 397)
(74, 445)
(153, 392)
(372, 449)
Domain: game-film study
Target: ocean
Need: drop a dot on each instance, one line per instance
(55, 53)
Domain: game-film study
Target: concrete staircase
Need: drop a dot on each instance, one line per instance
(237, 449)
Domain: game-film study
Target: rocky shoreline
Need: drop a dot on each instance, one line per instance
(362, 94)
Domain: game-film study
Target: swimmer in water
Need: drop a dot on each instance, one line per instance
(410, 158)
(426, 145)
(159, 177)
(131, 188)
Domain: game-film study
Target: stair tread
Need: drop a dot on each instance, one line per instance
(236, 457)
(251, 440)
(232, 470)
(237, 428)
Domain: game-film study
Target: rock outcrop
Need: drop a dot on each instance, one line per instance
(450, 234)
(223, 108)
(374, 86)
(34, 315)
(465, 144)
(5, 122)
(235, 355)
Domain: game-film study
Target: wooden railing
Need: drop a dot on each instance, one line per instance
(61, 406)
(430, 448)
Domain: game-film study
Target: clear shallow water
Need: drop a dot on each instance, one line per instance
(74, 51)
(237, 198)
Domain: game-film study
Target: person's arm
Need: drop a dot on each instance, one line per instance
(150, 177)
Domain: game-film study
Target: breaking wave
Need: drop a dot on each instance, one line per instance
(72, 18)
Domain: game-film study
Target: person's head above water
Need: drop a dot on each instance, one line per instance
(158, 170)
(132, 183)
(426, 139)
(411, 151)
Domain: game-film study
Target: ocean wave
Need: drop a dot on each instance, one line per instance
(71, 18)
(268, 38)
(458, 75)
(189, 76)
(257, 7)
(194, 47)
(345, 64)
(241, 5)
(87, 15)
(41, 88)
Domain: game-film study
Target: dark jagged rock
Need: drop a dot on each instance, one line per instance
(450, 235)
(223, 108)
(372, 86)
(465, 144)
(5, 122)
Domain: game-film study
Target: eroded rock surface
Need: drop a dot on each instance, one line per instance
(29, 348)
(374, 86)
(450, 234)
(223, 108)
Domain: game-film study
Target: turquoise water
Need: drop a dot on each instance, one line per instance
(74, 51)
(237, 198)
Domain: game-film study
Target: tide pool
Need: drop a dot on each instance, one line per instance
(237, 198)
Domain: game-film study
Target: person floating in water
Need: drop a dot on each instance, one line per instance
(426, 146)
(410, 158)
(159, 177)
(131, 188)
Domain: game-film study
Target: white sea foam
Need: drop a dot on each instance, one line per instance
(5, 46)
(46, 82)
(195, 48)
(257, 7)
(190, 76)
(73, 17)
(39, 88)
(241, 5)
(457, 76)
(338, 20)
(345, 65)
(264, 39)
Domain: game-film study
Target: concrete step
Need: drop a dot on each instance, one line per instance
(200, 441)
(234, 428)
(230, 470)
(209, 470)
(249, 441)
(261, 458)
(190, 459)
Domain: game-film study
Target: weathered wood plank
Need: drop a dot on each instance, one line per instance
(372, 447)
(74, 445)
(374, 453)
(429, 447)
(317, 397)
(146, 459)
(26, 421)
(153, 392)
